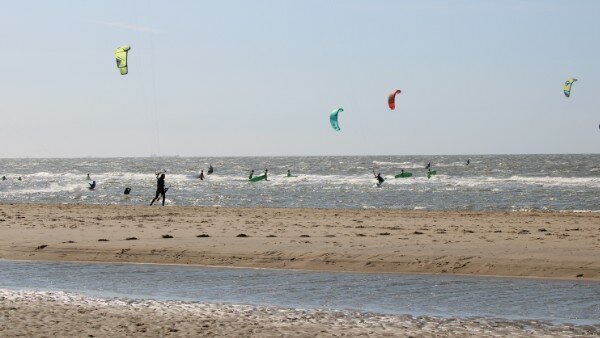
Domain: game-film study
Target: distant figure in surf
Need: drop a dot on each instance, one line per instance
(380, 179)
(20, 179)
(92, 185)
(468, 161)
(201, 175)
(88, 177)
(160, 188)
(127, 191)
(428, 166)
(251, 174)
(210, 169)
(266, 170)
(289, 174)
(4, 178)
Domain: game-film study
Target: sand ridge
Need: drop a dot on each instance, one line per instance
(527, 244)
(46, 314)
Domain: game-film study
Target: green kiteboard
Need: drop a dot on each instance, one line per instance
(431, 173)
(258, 178)
(403, 175)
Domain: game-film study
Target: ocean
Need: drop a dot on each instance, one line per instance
(489, 182)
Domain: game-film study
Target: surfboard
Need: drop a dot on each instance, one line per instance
(258, 178)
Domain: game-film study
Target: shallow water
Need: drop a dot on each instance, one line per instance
(492, 182)
(575, 302)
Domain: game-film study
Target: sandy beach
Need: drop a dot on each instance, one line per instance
(62, 314)
(525, 244)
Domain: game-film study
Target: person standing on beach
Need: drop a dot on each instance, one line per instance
(160, 188)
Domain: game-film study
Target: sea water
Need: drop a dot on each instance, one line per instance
(490, 182)
(556, 301)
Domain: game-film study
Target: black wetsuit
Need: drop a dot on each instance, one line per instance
(160, 190)
(379, 178)
(210, 170)
(92, 185)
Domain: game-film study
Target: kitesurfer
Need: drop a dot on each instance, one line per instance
(92, 185)
(266, 170)
(251, 174)
(428, 166)
(160, 188)
(202, 175)
(4, 178)
(127, 191)
(468, 161)
(289, 174)
(379, 178)
(210, 169)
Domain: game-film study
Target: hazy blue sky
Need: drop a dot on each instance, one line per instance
(219, 78)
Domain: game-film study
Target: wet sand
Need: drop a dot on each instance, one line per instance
(525, 244)
(35, 314)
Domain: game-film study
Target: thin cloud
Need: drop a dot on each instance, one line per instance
(130, 27)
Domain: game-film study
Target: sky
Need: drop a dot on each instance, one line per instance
(260, 78)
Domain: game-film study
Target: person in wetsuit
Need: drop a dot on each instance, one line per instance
(379, 178)
(201, 175)
(92, 185)
(266, 170)
(428, 166)
(160, 188)
(289, 173)
(127, 191)
(210, 169)
(251, 174)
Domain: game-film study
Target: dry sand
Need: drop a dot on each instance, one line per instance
(529, 244)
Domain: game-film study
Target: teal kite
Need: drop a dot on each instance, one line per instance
(333, 119)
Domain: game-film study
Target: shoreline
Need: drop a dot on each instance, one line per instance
(538, 244)
(307, 270)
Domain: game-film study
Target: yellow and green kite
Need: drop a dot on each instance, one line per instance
(121, 55)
